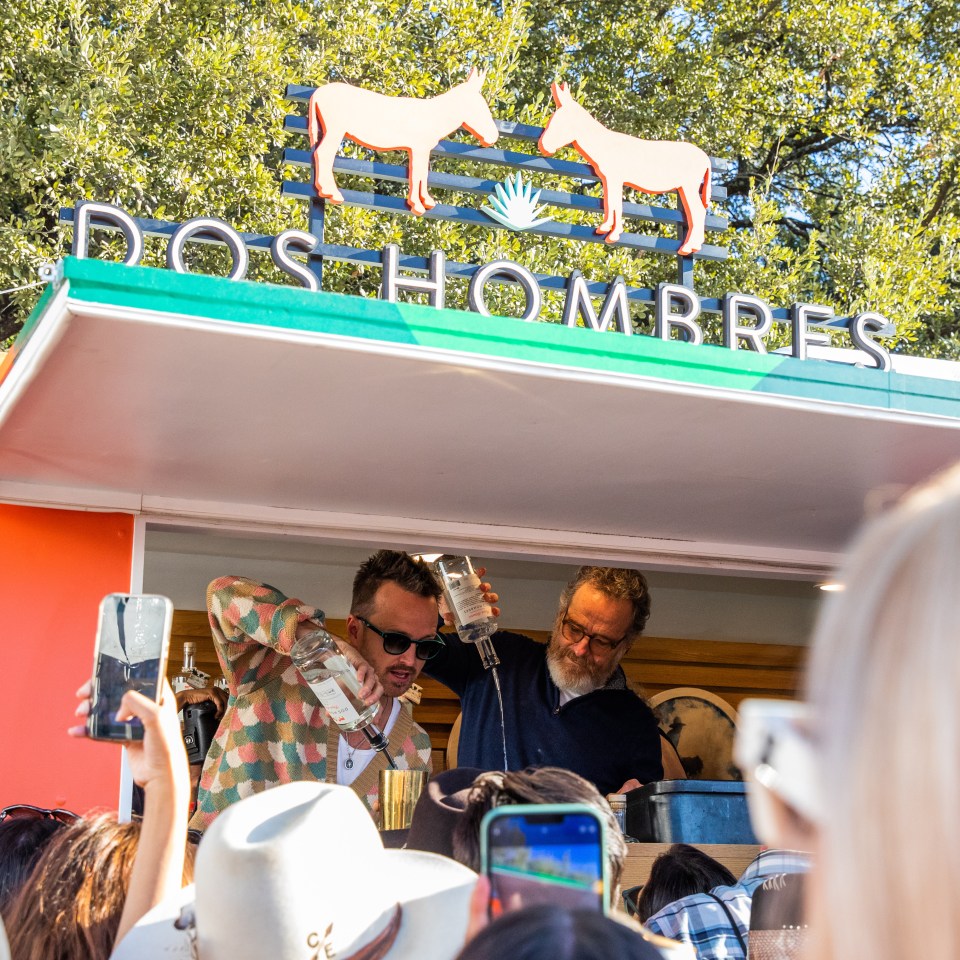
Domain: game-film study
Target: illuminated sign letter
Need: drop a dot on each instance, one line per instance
(615, 306)
(800, 316)
(736, 304)
(670, 295)
(299, 240)
(392, 281)
(83, 219)
(863, 325)
(209, 227)
(510, 269)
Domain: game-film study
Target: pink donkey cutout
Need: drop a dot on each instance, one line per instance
(380, 122)
(651, 166)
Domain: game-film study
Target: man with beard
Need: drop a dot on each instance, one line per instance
(566, 703)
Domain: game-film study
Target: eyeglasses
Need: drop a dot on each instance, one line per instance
(27, 811)
(396, 643)
(575, 633)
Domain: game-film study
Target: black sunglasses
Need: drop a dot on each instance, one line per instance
(396, 643)
(27, 811)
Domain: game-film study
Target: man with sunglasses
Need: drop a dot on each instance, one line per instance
(274, 730)
(566, 703)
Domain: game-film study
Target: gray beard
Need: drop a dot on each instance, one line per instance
(569, 677)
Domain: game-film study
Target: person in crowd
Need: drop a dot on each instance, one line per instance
(97, 877)
(681, 871)
(536, 785)
(716, 922)
(274, 730)
(882, 691)
(186, 698)
(566, 703)
(24, 832)
(298, 872)
(71, 905)
(553, 933)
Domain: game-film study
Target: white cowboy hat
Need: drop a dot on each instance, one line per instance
(298, 872)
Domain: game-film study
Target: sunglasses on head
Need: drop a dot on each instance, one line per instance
(396, 643)
(27, 811)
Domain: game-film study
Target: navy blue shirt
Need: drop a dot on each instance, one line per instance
(607, 736)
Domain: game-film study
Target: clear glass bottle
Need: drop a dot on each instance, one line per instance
(331, 676)
(618, 804)
(472, 615)
(189, 676)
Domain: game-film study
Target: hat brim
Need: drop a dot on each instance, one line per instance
(434, 892)
(439, 810)
(155, 933)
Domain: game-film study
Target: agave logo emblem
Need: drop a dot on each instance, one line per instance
(515, 205)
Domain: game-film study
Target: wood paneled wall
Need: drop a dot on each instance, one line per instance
(730, 670)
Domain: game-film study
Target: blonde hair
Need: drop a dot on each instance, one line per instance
(884, 681)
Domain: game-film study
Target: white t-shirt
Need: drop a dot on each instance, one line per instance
(360, 758)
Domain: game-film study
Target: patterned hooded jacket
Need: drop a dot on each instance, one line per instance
(274, 729)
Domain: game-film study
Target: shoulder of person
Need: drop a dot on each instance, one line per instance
(510, 636)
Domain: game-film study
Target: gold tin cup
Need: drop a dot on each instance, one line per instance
(399, 792)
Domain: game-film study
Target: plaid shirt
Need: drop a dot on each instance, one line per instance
(701, 921)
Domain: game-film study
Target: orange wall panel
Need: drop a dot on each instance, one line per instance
(55, 565)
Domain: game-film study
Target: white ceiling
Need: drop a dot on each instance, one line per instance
(345, 439)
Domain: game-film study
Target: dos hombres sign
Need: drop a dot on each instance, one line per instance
(418, 127)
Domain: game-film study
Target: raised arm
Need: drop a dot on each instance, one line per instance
(159, 765)
(248, 613)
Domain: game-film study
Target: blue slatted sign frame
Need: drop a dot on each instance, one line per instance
(491, 157)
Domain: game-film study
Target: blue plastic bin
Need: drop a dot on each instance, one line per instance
(690, 811)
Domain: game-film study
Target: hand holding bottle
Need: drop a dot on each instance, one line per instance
(488, 595)
(332, 675)
(473, 615)
(371, 690)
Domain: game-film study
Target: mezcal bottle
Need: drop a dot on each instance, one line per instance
(472, 615)
(334, 681)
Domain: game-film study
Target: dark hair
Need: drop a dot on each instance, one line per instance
(390, 566)
(679, 872)
(550, 932)
(618, 583)
(534, 785)
(69, 907)
(21, 843)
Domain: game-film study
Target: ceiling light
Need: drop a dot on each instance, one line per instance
(832, 586)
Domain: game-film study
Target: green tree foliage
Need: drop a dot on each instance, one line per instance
(838, 117)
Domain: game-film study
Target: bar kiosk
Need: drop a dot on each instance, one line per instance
(141, 400)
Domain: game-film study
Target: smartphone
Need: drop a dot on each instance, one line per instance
(133, 637)
(545, 853)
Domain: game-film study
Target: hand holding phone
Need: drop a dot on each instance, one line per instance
(161, 753)
(133, 637)
(544, 853)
